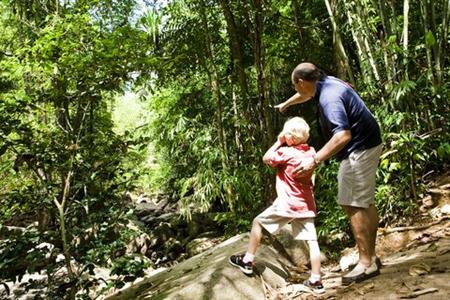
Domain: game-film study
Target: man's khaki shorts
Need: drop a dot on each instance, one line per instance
(356, 177)
(272, 221)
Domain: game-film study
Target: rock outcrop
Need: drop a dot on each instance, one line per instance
(209, 275)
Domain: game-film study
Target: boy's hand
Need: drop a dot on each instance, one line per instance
(307, 165)
(281, 138)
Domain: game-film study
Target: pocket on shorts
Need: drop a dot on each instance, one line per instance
(356, 155)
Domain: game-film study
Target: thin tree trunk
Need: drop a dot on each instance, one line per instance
(236, 49)
(363, 59)
(436, 46)
(444, 37)
(297, 11)
(238, 64)
(405, 37)
(394, 32)
(362, 17)
(385, 33)
(62, 220)
(258, 49)
(237, 127)
(426, 29)
(211, 70)
(338, 43)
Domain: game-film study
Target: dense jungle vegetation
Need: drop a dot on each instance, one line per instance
(204, 76)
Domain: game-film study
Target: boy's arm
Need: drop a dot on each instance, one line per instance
(275, 146)
(295, 99)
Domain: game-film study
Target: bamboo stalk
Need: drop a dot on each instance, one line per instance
(338, 42)
(405, 36)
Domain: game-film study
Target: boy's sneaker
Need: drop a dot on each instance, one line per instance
(316, 287)
(236, 260)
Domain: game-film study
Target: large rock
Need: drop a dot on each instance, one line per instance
(208, 275)
(296, 250)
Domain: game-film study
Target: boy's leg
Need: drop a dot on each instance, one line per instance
(255, 239)
(245, 262)
(272, 222)
(314, 255)
(304, 229)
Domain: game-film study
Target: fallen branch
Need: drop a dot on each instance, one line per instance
(269, 292)
(419, 293)
(400, 229)
(430, 133)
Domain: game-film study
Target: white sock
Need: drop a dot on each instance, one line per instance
(248, 257)
(314, 278)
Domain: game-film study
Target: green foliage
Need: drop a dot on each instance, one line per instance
(58, 80)
(132, 266)
(331, 218)
(19, 253)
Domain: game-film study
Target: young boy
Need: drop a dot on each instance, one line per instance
(294, 202)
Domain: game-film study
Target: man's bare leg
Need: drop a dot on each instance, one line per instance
(364, 223)
(373, 219)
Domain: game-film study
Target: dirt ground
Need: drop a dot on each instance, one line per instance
(416, 259)
(421, 271)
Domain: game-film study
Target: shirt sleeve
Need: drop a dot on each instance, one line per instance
(278, 157)
(335, 115)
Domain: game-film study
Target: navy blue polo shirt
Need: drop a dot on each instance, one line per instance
(340, 108)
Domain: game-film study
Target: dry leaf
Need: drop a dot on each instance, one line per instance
(419, 269)
(366, 288)
(404, 289)
(427, 201)
(443, 251)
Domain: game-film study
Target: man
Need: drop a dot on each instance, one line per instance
(354, 138)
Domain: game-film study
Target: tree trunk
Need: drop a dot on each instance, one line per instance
(211, 70)
(394, 32)
(362, 17)
(238, 64)
(267, 130)
(362, 55)
(443, 39)
(236, 49)
(237, 126)
(384, 35)
(296, 7)
(436, 46)
(426, 30)
(62, 222)
(405, 37)
(338, 43)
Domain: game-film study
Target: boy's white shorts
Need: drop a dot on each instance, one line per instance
(356, 177)
(302, 229)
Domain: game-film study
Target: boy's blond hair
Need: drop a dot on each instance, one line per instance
(297, 128)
